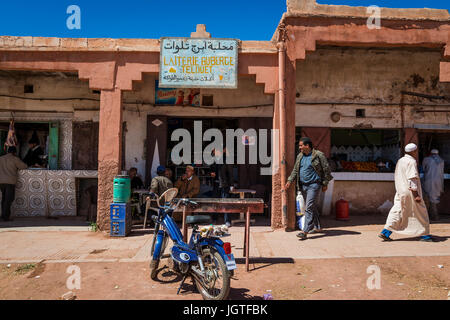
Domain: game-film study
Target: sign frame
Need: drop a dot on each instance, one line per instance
(236, 55)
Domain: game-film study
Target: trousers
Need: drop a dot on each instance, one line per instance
(222, 193)
(311, 195)
(8, 195)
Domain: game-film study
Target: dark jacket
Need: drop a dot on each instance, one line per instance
(136, 183)
(320, 164)
(32, 157)
(224, 175)
(160, 184)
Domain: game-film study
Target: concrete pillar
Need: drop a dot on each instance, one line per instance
(276, 220)
(109, 151)
(290, 76)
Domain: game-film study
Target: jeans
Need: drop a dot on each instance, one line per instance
(311, 195)
(8, 195)
(222, 193)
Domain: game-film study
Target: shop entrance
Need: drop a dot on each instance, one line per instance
(246, 176)
(440, 140)
(46, 134)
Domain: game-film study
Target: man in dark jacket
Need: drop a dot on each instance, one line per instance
(9, 165)
(33, 156)
(313, 174)
(222, 173)
(136, 182)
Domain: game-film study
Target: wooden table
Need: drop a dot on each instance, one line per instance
(242, 193)
(226, 205)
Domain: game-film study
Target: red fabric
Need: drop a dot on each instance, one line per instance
(321, 138)
(411, 136)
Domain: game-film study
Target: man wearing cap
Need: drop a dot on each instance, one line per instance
(160, 183)
(33, 156)
(409, 214)
(9, 165)
(188, 184)
(433, 187)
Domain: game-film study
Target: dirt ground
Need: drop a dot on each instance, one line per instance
(336, 279)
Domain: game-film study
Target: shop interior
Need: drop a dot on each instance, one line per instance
(440, 140)
(246, 176)
(24, 132)
(364, 150)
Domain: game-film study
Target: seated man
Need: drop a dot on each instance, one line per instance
(136, 182)
(160, 183)
(188, 184)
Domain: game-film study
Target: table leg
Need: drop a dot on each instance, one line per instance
(147, 206)
(247, 239)
(145, 219)
(242, 214)
(184, 224)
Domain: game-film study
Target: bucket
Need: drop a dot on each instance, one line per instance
(122, 189)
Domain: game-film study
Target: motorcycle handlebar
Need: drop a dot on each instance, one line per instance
(185, 202)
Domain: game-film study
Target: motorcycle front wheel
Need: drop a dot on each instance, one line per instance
(154, 264)
(216, 282)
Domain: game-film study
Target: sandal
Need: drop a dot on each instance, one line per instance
(301, 235)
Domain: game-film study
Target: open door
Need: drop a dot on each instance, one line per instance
(53, 145)
(3, 136)
(156, 145)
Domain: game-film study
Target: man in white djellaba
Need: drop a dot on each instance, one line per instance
(409, 214)
(433, 186)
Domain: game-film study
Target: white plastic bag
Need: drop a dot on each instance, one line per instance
(300, 210)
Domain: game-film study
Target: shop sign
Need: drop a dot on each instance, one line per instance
(176, 96)
(198, 63)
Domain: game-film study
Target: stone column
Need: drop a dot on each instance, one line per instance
(109, 151)
(276, 220)
(65, 145)
(290, 76)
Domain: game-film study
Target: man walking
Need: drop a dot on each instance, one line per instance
(313, 174)
(433, 187)
(9, 165)
(409, 214)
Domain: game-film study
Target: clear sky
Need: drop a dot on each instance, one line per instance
(242, 19)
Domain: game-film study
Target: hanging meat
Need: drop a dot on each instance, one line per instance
(11, 140)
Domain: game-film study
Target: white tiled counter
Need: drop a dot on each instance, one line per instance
(48, 192)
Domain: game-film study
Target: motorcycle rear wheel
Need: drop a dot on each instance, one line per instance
(216, 271)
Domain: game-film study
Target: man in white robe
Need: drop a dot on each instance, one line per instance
(433, 178)
(409, 214)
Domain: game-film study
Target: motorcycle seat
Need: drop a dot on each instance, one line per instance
(198, 219)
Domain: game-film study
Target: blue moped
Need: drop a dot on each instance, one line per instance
(206, 259)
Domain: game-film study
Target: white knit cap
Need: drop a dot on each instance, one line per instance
(435, 151)
(410, 147)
